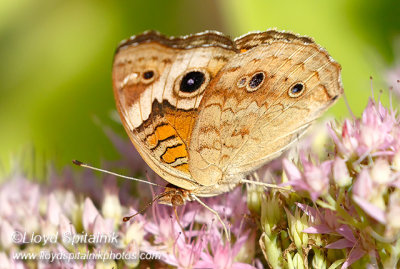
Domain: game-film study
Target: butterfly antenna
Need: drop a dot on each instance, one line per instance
(125, 219)
(79, 163)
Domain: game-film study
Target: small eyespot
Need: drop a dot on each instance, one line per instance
(242, 82)
(296, 90)
(192, 81)
(255, 82)
(148, 74)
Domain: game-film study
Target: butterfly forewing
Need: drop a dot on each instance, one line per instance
(158, 85)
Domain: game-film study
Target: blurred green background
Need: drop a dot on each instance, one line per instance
(56, 55)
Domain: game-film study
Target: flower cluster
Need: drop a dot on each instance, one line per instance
(191, 238)
(341, 209)
(348, 200)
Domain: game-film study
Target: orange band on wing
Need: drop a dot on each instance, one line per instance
(162, 133)
(174, 153)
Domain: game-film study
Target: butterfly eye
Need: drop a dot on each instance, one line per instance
(255, 82)
(148, 76)
(192, 81)
(296, 90)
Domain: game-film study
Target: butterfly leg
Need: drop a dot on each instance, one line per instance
(228, 235)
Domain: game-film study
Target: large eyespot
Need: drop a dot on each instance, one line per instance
(148, 76)
(296, 90)
(255, 82)
(191, 83)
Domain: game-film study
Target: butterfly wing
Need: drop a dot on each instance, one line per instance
(262, 100)
(158, 84)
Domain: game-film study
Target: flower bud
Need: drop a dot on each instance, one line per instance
(380, 172)
(66, 228)
(135, 232)
(254, 198)
(111, 208)
(132, 260)
(318, 260)
(53, 210)
(296, 226)
(296, 262)
(340, 173)
(102, 226)
(90, 213)
(271, 250)
(270, 213)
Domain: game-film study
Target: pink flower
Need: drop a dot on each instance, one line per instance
(347, 141)
(323, 221)
(187, 255)
(375, 129)
(6, 231)
(19, 204)
(341, 173)
(53, 210)
(329, 223)
(373, 133)
(11, 263)
(355, 254)
(89, 215)
(232, 206)
(314, 179)
(221, 256)
(364, 190)
(103, 226)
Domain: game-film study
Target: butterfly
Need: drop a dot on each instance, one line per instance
(204, 110)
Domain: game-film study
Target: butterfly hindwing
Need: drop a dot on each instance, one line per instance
(255, 110)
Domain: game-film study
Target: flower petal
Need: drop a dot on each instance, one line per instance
(308, 210)
(372, 210)
(89, 215)
(355, 254)
(291, 170)
(318, 229)
(363, 185)
(340, 244)
(346, 232)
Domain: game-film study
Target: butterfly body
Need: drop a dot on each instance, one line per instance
(204, 110)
